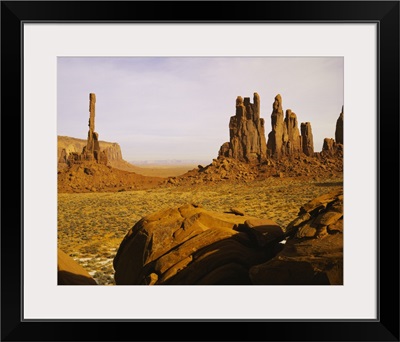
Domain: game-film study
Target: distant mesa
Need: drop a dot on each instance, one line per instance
(75, 151)
(68, 146)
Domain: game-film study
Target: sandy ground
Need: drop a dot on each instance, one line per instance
(157, 170)
(92, 225)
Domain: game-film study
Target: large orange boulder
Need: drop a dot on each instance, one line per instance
(190, 245)
(313, 255)
(71, 273)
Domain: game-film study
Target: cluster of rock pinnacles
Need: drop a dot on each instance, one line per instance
(247, 134)
(189, 245)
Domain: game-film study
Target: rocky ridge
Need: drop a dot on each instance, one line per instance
(94, 177)
(313, 255)
(232, 170)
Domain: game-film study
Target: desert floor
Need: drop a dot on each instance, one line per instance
(157, 170)
(91, 226)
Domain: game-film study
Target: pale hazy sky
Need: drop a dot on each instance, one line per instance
(160, 108)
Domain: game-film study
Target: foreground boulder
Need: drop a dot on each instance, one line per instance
(189, 245)
(313, 255)
(71, 273)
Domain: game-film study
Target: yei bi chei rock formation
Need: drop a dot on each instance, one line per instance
(285, 139)
(247, 133)
(289, 151)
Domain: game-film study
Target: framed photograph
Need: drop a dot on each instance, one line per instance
(150, 79)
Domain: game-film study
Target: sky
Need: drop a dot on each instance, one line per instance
(178, 108)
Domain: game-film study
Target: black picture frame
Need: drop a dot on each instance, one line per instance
(384, 13)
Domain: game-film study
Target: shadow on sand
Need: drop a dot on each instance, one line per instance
(329, 184)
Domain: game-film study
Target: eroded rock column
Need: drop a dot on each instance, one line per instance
(246, 131)
(339, 128)
(307, 142)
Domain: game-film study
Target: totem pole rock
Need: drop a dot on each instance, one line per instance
(92, 149)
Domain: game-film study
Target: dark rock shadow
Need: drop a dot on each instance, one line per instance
(68, 278)
(329, 184)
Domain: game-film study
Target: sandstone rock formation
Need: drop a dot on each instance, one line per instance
(71, 273)
(332, 147)
(328, 145)
(247, 134)
(74, 153)
(292, 139)
(339, 128)
(68, 146)
(276, 136)
(307, 141)
(92, 149)
(285, 139)
(189, 245)
(313, 255)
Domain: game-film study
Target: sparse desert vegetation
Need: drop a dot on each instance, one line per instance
(267, 182)
(91, 226)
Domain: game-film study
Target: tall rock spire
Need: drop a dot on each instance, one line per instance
(275, 137)
(291, 140)
(284, 139)
(307, 141)
(246, 131)
(92, 149)
(91, 133)
(339, 128)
